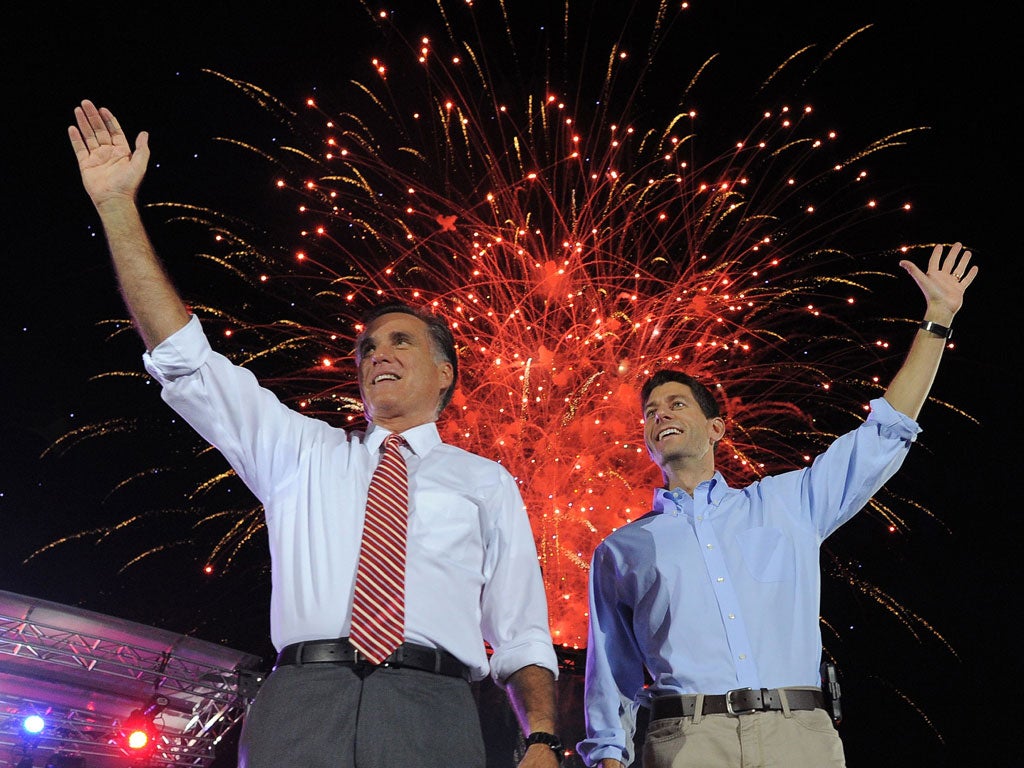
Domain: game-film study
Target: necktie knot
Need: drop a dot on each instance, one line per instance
(393, 442)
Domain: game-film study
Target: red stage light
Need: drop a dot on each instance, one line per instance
(138, 739)
(138, 734)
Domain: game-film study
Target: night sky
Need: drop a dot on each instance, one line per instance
(949, 71)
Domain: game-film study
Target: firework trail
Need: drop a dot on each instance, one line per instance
(560, 199)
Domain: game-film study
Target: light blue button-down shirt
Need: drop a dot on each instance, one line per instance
(721, 590)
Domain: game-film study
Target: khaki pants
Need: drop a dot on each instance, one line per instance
(797, 739)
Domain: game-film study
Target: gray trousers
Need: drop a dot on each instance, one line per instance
(330, 716)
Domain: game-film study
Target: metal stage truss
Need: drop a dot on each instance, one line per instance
(85, 673)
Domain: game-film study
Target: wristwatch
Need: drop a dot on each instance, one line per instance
(548, 739)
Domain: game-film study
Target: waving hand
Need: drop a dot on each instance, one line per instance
(108, 166)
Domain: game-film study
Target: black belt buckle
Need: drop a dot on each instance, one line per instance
(737, 712)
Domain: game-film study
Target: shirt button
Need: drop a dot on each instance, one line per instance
(743, 656)
(720, 579)
(732, 615)
(700, 518)
(710, 546)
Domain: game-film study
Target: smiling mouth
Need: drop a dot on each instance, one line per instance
(667, 433)
(385, 377)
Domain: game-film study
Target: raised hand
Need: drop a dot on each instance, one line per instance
(943, 286)
(109, 168)
(112, 174)
(947, 278)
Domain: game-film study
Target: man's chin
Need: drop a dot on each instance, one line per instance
(674, 456)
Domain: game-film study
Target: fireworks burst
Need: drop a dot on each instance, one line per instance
(565, 204)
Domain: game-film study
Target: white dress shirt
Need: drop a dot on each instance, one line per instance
(472, 574)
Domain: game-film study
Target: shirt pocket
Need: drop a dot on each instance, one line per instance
(768, 553)
(447, 525)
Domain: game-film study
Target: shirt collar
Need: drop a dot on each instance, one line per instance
(713, 491)
(420, 438)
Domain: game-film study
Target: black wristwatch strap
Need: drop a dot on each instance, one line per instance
(935, 328)
(548, 739)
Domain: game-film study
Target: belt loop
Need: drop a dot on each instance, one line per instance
(785, 702)
(298, 653)
(698, 708)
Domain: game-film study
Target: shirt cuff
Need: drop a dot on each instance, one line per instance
(180, 354)
(510, 660)
(893, 423)
(592, 753)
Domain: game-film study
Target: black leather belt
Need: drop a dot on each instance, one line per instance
(740, 701)
(341, 651)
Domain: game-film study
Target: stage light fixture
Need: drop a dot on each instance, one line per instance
(138, 732)
(33, 725)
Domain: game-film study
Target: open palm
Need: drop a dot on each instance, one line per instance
(108, 166)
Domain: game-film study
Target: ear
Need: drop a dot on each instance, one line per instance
(444, 374)
(716, 428)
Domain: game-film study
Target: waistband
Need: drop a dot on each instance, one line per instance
(341, 651)
(740, 701)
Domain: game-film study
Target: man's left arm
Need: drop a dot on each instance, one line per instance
(514, 620)
(531, 692)
(943, 286)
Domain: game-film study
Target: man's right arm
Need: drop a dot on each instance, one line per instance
(614, 670)
(111, 175)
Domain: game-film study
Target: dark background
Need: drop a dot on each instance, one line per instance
(910, 700)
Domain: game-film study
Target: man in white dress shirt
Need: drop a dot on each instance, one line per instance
(472, 578)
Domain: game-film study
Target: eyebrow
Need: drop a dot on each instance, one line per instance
(395, 337)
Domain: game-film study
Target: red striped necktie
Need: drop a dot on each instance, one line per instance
(378, 609)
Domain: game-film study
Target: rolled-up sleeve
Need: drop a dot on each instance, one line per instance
(514, 607)
(891, 423)
(180, 354)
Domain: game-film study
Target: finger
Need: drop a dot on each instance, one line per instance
(961, 268)
(969, 277)
(110, 123)
(933, 260)
(141, 153)
(77, 143)
(950, 261)
(84, 126)
(99, 128)
(914, 271)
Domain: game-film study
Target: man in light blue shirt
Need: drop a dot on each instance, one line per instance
(715, 593)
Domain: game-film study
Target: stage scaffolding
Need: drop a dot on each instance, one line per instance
(85, 673)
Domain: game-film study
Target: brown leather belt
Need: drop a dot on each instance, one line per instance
(740, 701)
(409, 655)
